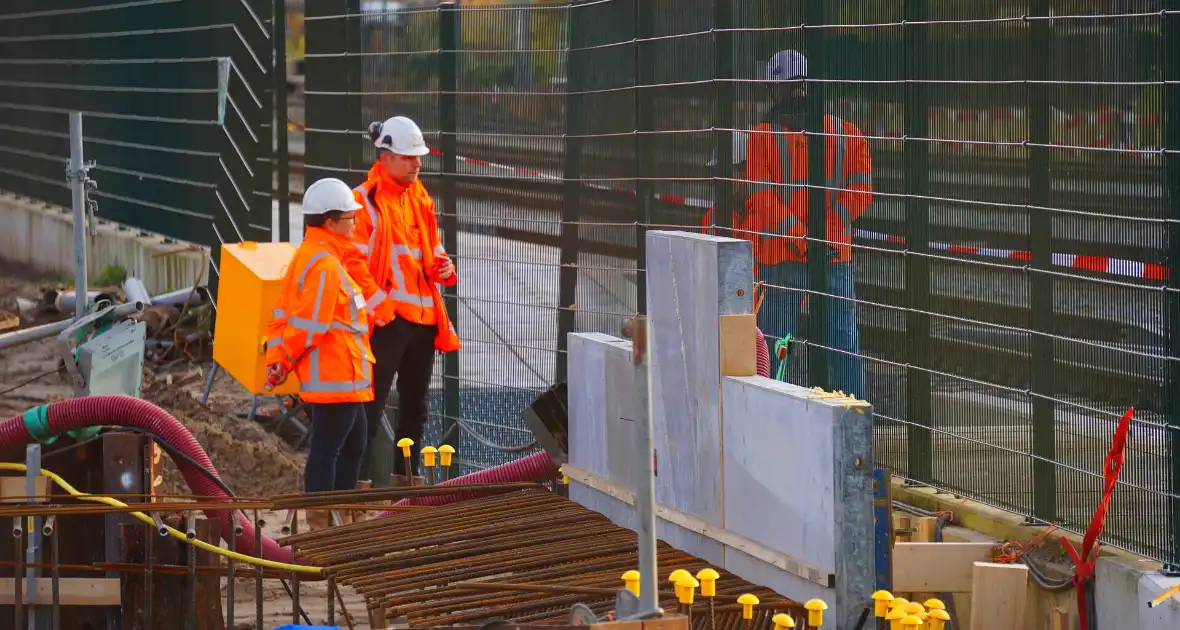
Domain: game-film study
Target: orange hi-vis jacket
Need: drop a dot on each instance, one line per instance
(398, 233)
(319, 326)
(777, 163)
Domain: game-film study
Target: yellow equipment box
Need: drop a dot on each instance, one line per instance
(249, 286)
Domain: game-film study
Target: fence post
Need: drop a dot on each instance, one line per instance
(920, 451)
(723, 90)
(571, 212)
(448, 115)
(333, 111)
(278, 40)
(644, 141)
(1044, 467)
(817, 223)
(1171, 100)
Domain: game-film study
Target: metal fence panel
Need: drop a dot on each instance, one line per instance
(1010, 278)
(172, 156)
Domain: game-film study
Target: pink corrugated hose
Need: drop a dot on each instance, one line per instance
(78, 413)
(537, 467)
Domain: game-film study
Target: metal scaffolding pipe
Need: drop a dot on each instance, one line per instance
(37, 333)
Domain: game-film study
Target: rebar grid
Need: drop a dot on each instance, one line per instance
(526, 556)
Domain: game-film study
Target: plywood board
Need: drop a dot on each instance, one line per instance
(999, 595)
(937, 567)
(71, 591)
(14, 489)
(737, 338)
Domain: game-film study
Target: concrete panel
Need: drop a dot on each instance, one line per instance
(1122, 590)
(798, 479)
(691, 280)
(602, 406)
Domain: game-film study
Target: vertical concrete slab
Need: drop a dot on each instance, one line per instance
(692, 280)
(798, 479)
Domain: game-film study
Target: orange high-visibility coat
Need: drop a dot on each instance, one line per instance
(319, 328)
(398, 233)
(777, 161)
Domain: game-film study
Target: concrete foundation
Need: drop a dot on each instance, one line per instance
(765, 480)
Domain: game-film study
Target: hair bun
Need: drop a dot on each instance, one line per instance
(374, 130)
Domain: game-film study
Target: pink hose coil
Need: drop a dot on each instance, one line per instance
(763, 357)
(117, 410)
(537, 468)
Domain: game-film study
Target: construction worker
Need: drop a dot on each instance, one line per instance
(320, 332)
(739, 176)
(398, 233)
(777, 218)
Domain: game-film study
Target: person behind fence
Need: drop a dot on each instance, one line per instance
(398, 233)
(778, 216)
(320, 333)
(740, 192)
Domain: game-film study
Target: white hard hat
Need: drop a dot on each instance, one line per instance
(328, 194)
(739, 150)
(786, 65)
(398, 135)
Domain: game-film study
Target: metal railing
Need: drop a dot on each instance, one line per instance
(1012, 276)
(1012, 285)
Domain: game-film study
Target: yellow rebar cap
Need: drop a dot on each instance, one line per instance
(782, 621)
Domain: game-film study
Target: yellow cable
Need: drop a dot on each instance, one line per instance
(175, 533)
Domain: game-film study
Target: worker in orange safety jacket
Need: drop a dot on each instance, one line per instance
(398, 233)
(320, 333)
(777, 220)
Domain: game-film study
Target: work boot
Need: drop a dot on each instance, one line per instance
(318, 519)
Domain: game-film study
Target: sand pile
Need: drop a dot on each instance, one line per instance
(251, 461)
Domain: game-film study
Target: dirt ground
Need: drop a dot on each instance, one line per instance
(251, 461)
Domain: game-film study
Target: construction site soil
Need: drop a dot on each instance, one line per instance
(251, 461)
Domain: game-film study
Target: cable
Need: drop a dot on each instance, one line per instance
(31, 380)
(175, 533)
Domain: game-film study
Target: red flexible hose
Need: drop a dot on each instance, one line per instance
(537, 467)
(108, 410)
(763, 353)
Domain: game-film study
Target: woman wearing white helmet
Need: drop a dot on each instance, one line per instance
(320, 333)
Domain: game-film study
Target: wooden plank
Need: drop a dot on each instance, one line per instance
(937, 567)
(924, 532)
(999, 594)
(737, 338)
(687, 521)
(71, 591)
(14, 490)
(1059, 619)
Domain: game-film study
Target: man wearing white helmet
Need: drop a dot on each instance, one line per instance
(398, 234)
(739, 186)
(778, 215)
(320, 333)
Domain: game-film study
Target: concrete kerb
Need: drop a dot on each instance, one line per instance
(41, 235)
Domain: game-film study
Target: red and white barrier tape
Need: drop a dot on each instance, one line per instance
(1097, 264)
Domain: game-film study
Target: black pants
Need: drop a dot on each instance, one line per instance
(405, 350)
(337, 444)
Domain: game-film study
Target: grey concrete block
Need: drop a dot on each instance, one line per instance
(692, 279)
(798, 479)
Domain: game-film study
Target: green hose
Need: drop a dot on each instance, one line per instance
(782, 350)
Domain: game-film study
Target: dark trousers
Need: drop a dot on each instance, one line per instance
(404, 350)
(337, 444)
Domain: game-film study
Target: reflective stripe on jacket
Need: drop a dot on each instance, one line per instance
(320, 328)
(398, 233)
(777, 162)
